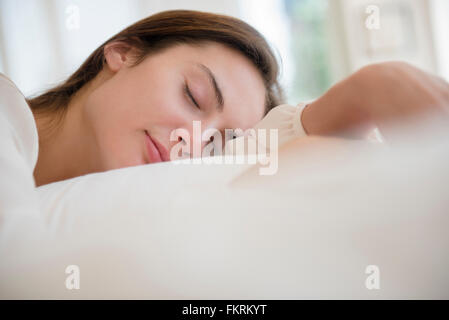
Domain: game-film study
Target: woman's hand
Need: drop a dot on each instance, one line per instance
(376, 96)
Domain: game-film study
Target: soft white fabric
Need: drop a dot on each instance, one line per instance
(310, 231)
(286, 119)
(219, 232)
(19, 210)
(16, 112)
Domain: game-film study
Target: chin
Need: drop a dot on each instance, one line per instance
(117, 162)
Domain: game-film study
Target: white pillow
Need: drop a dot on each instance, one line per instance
(183, 231)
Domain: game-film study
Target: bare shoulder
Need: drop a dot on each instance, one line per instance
(4, 79)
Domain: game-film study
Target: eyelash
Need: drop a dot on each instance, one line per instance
(190, 96)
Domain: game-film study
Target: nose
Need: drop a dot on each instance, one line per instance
(210, 138)
(192, 142)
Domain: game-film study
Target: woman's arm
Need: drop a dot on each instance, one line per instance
(376, 96)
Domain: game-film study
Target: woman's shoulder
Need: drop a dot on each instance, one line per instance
(17, 120)
(12, 100)
(6, 81)
(3, 77)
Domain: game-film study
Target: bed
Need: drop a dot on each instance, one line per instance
(338, 220)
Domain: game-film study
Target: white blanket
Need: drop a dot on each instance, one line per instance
(311, 231)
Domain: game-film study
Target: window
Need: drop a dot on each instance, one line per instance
(310, 48)
(296, 29)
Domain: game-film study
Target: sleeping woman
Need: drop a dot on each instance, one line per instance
(166, 71)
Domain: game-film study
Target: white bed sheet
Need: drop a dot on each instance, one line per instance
(176, 231)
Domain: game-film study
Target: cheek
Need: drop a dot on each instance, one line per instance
(114, 116)
(167, 108)
(108, 109)
(119, 111)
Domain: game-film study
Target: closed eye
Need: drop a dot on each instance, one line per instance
(188, 93)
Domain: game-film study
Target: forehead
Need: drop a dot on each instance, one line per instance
(239, 80)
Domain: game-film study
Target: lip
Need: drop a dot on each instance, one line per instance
(155, 151)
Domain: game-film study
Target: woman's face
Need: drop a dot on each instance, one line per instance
(169, 90)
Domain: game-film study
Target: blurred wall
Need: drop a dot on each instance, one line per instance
(379, 30)
(43, 41)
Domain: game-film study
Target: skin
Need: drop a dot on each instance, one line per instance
(105, 124)
(379, 95)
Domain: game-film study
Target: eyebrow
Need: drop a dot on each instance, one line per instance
(213, 81)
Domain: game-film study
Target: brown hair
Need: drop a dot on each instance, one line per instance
(165, 29)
